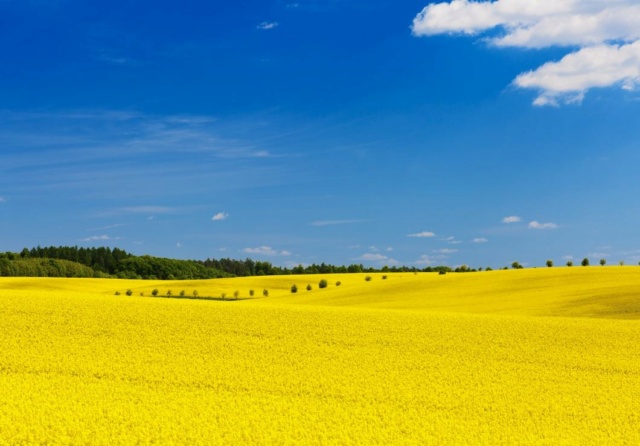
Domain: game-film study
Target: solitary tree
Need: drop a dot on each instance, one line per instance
(603, 262)
(195, 293)
(265, 292)
(323, 284)
(294, 288)
(154, 292)
(569, 263)
(236, 294)
(516, 265)
(585, 262)
(309, 287)
(549, 263)
(251, 293)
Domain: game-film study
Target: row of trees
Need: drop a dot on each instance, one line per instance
(107, 262)
(585, 262)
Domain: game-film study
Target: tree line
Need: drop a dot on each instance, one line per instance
(73, 261)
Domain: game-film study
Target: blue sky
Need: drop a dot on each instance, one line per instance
(336, 131)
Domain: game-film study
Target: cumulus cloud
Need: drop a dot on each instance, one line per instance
(604, 36)
(511, 219)
(265, 251)
(537, 225)
(220, 216)
(424, 234)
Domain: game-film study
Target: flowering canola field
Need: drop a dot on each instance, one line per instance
(547, 356)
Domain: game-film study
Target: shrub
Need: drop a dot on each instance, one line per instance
(129, 292)
(368, 278)
(338, 283)
(223, 295)
(569, 263)
(251, 293)
(323, 284)
(549, 263)
(195, 293)
(384, 277)
(309, 287)
(169, 293)
(585, 262)
(117, 293)
(182, 293)
(154, 292)
(265, 292)
(294, 288)
(442, 272)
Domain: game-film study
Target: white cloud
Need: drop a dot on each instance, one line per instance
(97, 238)
(446, 251)
(427, 260)
(511, 219)
(265, 251)
(536, 225)
(372, 257)
(605, 32)
(267, 25)
(423, 234)
(480, 240)
(220, 216)
(3, 200)
(567, 80)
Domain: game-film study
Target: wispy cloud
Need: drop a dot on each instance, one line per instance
(335, 222)
(147, 209)
(3, 199)
(424, 234)
(480, 240)
(427, 260)
(378, 258)
(220, 216)
(105, 228)
(98, 238)
(511, 219)
(122, 151)
(267, 25)
(537, 225)
(266, 251)
(606, 34)
(446, 251)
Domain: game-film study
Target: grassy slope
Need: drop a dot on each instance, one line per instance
(82, 366)
(602, 292)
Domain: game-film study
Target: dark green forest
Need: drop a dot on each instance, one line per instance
(72, 261)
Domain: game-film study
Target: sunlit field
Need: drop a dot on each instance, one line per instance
(535, 356)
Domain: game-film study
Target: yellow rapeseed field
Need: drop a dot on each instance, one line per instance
(534, 356)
